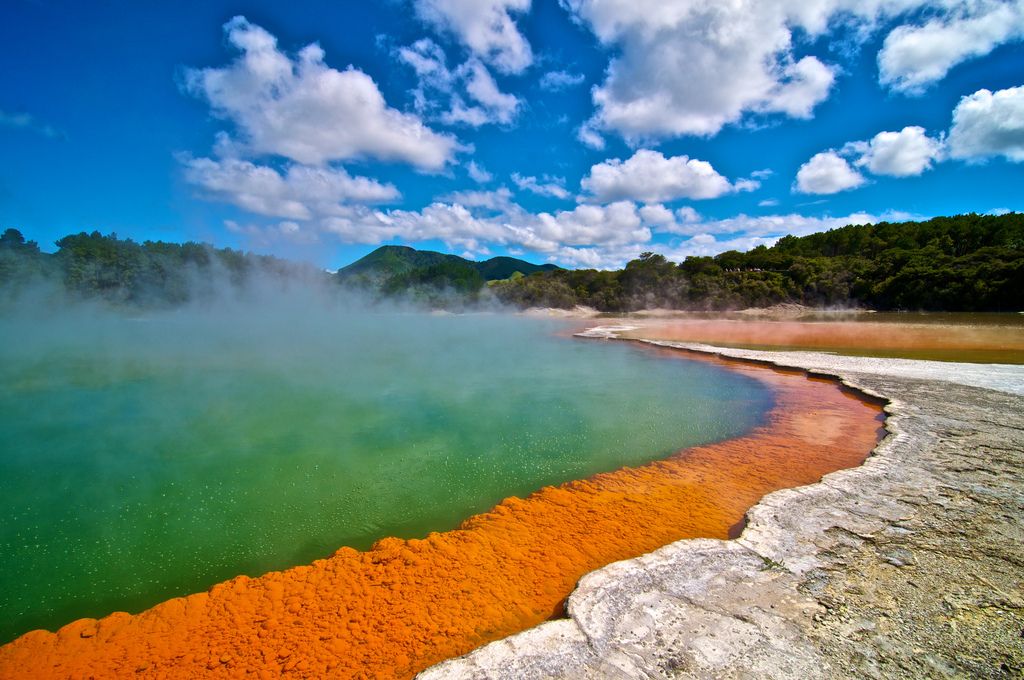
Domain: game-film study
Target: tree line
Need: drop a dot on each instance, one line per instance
(149, 274)
(963, 263)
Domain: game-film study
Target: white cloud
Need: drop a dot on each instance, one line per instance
(618, 223)
(914, 57)
(485, 27)
(452, 223)
(690, 67)
(429, 62)
(499, 106)
(687, 214)
(827, 173)
(768, 203)
(586, 226)
(762, 174)
(302, 109)
(477, 173)
(706, 245)
(603, 236)
(657, 215)
(499, 199)
(650, 177)
(984, 125)
(267, 236)
(302, 193)
(989, 124)
(553, 81)
(775, 226)
(440, 87)
(899, 154)
(547, 186)
(590, 137)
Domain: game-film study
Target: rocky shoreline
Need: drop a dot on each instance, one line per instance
(911, 565)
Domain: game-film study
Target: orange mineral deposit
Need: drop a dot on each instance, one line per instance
(404, 605)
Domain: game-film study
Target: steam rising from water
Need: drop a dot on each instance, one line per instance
(152, 454)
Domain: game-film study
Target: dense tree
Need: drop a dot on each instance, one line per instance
(123, 272)
(967, 262)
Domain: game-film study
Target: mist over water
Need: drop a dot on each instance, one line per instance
(147, 455)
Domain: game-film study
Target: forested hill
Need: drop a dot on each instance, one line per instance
(149, 274)
(389, 261)
(963, 263)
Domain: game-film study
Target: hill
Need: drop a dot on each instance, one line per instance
(498, 268)
(391, 261)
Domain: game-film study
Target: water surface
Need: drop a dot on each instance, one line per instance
(149, 457)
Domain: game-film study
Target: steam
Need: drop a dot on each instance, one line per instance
(153, 451)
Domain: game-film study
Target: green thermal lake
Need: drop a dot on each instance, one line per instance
(149, 457)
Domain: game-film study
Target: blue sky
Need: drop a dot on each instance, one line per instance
(581, 132)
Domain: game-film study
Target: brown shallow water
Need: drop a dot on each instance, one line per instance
(407, 604)
(980, 338)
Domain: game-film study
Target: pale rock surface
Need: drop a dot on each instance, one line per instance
(911, 565)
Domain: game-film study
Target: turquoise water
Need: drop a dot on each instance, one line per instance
(145, 458)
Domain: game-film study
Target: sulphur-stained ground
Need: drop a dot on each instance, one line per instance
(911, 565)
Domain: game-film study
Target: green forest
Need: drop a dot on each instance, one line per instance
(149, 274)
(963, 263)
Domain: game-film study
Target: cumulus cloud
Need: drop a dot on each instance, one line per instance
(898, 154)
(602, 236)
(462, 226)
(827, 173)
(553, 81)
(987, 124)
(914, 57)
(657, 215)
(301, 193)
(301, 109)
(693, 66)
(546, 186)
(650, 177)
(586, 225)
(467, 94)
(485, 27)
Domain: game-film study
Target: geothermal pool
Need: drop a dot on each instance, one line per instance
(150, 457)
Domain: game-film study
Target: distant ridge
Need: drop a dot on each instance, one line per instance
(389, 261)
